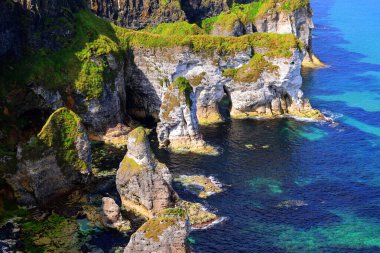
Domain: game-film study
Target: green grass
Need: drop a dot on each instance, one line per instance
(248, 13)
(184, 86)
(177, 28)
(251, 71)
(71, 67)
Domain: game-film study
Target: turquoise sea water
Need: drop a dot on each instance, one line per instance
(333, 168)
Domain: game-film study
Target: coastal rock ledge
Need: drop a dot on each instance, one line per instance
(166, 232)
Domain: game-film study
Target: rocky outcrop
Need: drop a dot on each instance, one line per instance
(228, 25)
(298, 22)
(178, 126)
(54, 162)
(142, 182)
(138, 14)
(255, 83)
(166, 232)
(108, 108)
(200, 185)
(198, 215)
(111, 216)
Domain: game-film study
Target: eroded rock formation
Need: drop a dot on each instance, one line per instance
(142, 182)
(54, 162)
(166, 232)
(255, 83)
(178, 126)
(111, 216)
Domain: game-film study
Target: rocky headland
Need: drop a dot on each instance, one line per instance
(73, 73)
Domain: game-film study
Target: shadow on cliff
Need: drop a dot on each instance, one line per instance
(143, 102)
(43, 46)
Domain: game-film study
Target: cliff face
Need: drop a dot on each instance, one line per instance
(31, 24)
(178, 127)
(255, 83)
(297, 22)
(138, 14)
(69, 58)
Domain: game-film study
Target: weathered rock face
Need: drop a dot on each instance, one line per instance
(281, 82)
(142, 182)
(298, 22)
(111, 216)
(138, 14)
(178, 127)
(24, 25)
(167, 232)
(196, 10)
(54, 162)
(107, 110)
(236, 28)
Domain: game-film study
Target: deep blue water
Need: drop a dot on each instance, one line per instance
(333, 168)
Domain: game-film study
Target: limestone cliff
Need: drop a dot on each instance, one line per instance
(142, 182)
(255, 77)
(273, 16)
(166, 232)
(54, 162)
(178, 126)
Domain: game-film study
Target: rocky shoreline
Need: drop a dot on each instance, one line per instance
(87, 80)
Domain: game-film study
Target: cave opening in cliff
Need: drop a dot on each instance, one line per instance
(225, 104)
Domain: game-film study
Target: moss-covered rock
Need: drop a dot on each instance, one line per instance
(166, 232)
(198, 214)
(200, 185)
(53, 162)
(53, 234)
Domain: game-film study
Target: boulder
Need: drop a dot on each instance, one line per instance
(54, 162)
(166, 232)
(111, 216)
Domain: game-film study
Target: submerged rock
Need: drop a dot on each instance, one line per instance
(178, 128)
(291, 203)
(200, 185)
(54, 162)
(142, 182)
(111, 216)
(166, 232)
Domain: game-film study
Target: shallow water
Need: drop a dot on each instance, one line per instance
(333, 168)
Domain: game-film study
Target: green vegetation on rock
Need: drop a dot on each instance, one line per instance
(251, 71)
(79, 65)
(156, 226)
(178, 28)
(248, 13)
(129, 167)
(184, 86)
(60, 132)
(54, 234)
